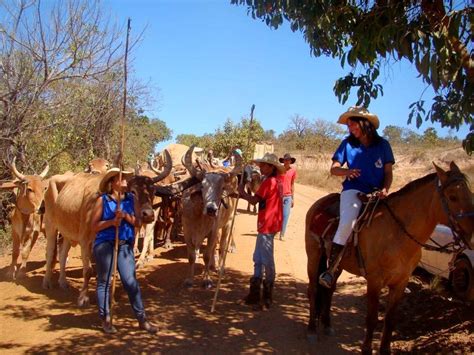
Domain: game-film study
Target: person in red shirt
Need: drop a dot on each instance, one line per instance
(269, 222)
(288, 181)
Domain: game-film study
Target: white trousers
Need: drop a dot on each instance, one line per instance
(349, 211)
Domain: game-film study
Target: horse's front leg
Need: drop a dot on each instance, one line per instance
(373, 295)
(394, 297)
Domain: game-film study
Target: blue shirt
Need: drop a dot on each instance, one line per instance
(109, 207)
(370, 160)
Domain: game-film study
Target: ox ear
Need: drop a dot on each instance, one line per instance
(442, 175)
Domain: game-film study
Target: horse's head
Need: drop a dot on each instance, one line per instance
(457, 201)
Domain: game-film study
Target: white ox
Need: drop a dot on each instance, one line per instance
(208, 209)
(26, 220)
(69, 204)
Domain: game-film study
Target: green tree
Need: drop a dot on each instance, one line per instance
(435, 36)
(430, 136)
(393, 134)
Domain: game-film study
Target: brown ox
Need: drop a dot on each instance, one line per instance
(26, 220)
(252, 180)
(97, 166)
(70, 214)
(148, 231)
(208, 209)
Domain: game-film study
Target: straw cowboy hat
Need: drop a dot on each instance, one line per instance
(109, 175)
(271, 159)
(287, 156)
(362, 112)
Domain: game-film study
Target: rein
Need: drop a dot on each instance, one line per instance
(453, 224)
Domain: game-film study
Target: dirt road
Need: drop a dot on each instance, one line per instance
(37, 320)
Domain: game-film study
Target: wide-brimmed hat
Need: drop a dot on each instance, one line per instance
(109, 175)
(362, 112)
(272, 159)
(287, 156)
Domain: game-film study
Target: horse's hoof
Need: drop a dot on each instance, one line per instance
(329, 331)
(233, 250)
(83, 301)
(168, 246)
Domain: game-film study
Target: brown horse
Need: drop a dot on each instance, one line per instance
(390, 246)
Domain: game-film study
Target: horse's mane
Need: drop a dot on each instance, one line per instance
(413, 185)
(424, 180)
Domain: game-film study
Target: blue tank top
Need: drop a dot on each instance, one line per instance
(126, 230)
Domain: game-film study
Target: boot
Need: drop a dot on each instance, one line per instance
(326, 279)
(149, 327)
(254, 294)
(267, 293)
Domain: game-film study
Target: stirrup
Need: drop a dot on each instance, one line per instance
(326, 279)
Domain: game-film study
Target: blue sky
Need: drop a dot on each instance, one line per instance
(207, 61)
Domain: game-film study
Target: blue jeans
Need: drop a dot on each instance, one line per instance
(263, 257)
(287, 200)
(104, 253)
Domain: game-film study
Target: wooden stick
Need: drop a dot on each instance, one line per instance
(120, 166)
(229, 238)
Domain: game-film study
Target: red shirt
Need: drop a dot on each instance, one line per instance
(270, 210)
(288, 179)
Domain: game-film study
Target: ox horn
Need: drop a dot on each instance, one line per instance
(45, 170)
(151, 163)
(189, 165)
(167, 170)
(14, 169)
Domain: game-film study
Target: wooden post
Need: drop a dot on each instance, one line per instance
(120, 166)
(229, 238)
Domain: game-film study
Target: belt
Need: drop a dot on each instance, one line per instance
(122, 242)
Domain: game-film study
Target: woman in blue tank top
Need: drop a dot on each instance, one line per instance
(105, 220)
(369, 161)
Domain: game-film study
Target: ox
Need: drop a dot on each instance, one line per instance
(70, 214)
(252, 180)
(97, 166)
(148, 230)
(26, 220)
(208, 209)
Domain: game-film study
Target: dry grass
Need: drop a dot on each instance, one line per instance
(412, 162)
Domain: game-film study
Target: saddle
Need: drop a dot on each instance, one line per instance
(325, 221)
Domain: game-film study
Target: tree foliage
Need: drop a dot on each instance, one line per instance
(61, 87)
(434, 35)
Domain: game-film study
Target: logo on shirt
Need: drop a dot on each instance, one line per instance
(378, 163)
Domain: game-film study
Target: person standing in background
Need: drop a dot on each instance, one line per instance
(288, 181)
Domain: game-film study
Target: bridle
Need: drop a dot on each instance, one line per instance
(453, 219)
(453, 224)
